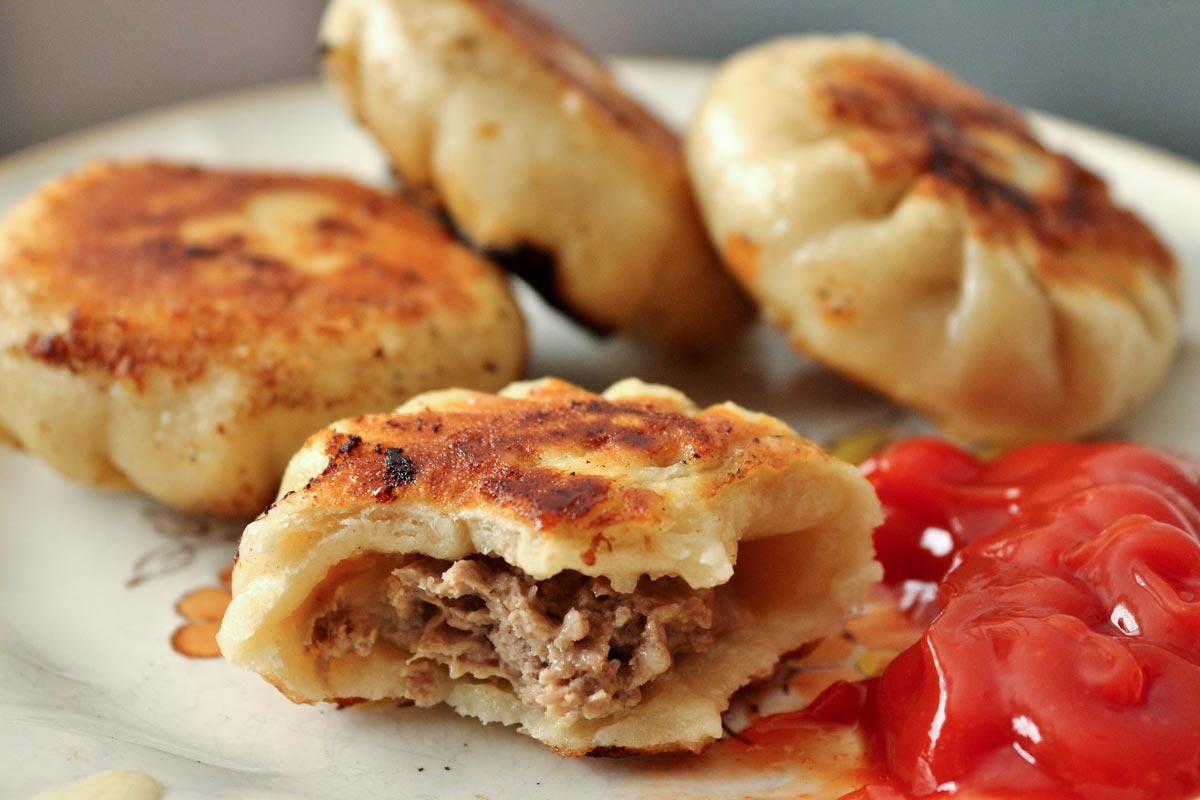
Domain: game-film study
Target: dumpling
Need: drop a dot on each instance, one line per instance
(526, 143)
(182, 330)
(602, 571)
(911, 232)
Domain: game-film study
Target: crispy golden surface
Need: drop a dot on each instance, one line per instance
(563, 460)
(181, 329)
(158, 265)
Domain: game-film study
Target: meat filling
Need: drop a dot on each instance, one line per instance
(570, 644)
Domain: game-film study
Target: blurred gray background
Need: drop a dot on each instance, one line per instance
(1131, 67)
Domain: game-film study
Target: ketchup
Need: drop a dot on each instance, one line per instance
(1064, 657)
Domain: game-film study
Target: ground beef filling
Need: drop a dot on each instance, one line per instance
(570, 644)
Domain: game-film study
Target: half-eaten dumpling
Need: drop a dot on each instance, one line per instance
(552, 559)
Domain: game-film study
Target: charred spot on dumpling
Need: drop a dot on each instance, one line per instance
(535, 265)
(913, 233)
(921, 124)
(547, 495)
(493, 450)
(920, 120)
(538, 267)
(398, 468)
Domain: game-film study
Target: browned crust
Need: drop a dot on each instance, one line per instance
(627, 752)
(577, 68)
(109, 258)
(918, 124)
(496, 453)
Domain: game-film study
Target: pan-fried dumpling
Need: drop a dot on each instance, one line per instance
(911, 232)
(182, 330)
(602, 571)
(526, 143)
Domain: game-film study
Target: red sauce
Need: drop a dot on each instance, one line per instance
(1064, 661)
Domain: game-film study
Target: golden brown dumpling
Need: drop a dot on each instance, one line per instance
(181, 330)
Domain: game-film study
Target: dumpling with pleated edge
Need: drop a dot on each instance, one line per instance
(913, 233)
(526, 143)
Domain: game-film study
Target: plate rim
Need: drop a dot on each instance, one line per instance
(224, 100)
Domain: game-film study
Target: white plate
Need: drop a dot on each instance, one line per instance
(88, 680)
